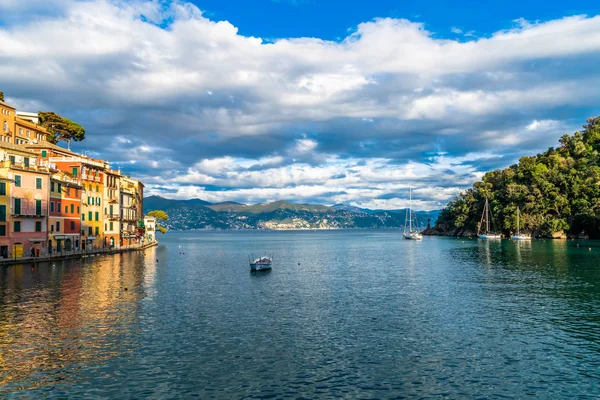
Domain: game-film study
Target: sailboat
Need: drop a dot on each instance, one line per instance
(411, 234)
(485, 217)
(518, 236)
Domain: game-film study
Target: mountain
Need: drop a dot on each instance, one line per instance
(557, 193)
(280, 215)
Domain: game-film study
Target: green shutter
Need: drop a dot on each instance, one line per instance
(38, 226)
(18, 180)
(38, 183)
(2, 213)
(75, 172)
(3, 188)
(96, 215)
(17, 226)
(89, 215)
(72, 208)
(17, 206)
(43, 153)
(2, 230)
(38, 207)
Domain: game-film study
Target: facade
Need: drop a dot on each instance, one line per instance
(55, 200)
(149, 229)
(64, 222)
(112, 209)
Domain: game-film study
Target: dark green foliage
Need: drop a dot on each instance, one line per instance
(161, 217)
(1, 96)
(558, 190)
(61, 128)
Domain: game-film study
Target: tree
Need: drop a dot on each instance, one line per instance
(60, 128)
(1, 96)
(162, 216)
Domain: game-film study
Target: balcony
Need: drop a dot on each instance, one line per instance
(97, 179)
(112, 217)
(29, 212)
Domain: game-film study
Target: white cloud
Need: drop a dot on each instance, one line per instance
(220, 108)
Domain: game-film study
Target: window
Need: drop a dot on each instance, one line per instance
(97, 231)
(5, 126)
(27, 133)
(38, 181)
(18, 180)
(17, 206)
(97, 190)
(12, 160)
(51, 206)
(90, 231)
(68, 191)
(57, 226)
(26, 160)
(89, 215)
(78, 209)
(111, 225)
(38, 207)
(75, 172)
(17, 226)
(2, 230)
(59, 189)
(58, 207)
(66, 209)
(44, 153)
(110, 208)
(3, 188)
(83, 217)
(51, 228)
(38, 226)
(72, 226)
(20, 131)
(52, 186)
(2, 213)
(76, 192)
(72, 208)
(96, 215)
(98, 201)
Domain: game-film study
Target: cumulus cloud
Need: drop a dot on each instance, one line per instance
(196, 105)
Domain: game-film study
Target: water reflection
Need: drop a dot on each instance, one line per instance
(56, 318)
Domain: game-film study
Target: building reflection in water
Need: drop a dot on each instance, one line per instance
(54, 317)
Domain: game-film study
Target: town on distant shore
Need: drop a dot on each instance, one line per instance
(555, 194)
(195, 214)
(53, 200)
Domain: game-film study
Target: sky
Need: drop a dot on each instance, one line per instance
(306, 100)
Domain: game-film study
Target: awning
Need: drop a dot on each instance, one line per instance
(66, 236)
(37, 240)
(91, 238)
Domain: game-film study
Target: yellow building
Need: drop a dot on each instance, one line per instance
(92, 203)
(27, 132)
(7, 122)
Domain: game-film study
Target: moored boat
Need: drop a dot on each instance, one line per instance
(261, 263)
(485, 219)
(519, 236)
(410, 234)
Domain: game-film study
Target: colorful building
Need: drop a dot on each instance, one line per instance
(112, 209)
(64, 222)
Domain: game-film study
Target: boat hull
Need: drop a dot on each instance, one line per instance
(489, 237)
(413, 236)
(259, 267)
(520, 237)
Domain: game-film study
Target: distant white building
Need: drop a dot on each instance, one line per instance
(150, 227)
(31, 116)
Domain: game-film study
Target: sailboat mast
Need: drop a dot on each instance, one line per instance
(487, 216)
(409, 210)
(518, 226)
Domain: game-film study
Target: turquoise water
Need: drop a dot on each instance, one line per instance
(346, 314)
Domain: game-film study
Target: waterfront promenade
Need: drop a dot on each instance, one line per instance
(75, 254)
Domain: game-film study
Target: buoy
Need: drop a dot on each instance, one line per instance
(125, 288)
(221, 253)
(157, 260)
(298, 263)
(590, 249)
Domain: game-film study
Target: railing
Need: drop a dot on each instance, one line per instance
(97, 179)
(77, 159)
(111, 216)
(27, 212)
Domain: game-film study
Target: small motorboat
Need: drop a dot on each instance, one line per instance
(261, 263)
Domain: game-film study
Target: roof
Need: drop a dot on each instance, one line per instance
(26, 122)
(15, 147)
(48, 145)
(7, 105)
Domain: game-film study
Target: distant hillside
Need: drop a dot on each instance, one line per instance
(279, 215)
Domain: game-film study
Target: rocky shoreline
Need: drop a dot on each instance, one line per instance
(445, 230)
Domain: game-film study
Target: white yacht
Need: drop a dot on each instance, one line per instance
(411, 234)
(518, 236)
(485, 219)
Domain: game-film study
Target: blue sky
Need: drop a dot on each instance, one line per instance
(310, 101)
(332, 20)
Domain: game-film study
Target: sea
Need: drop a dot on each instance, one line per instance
(349, 314)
